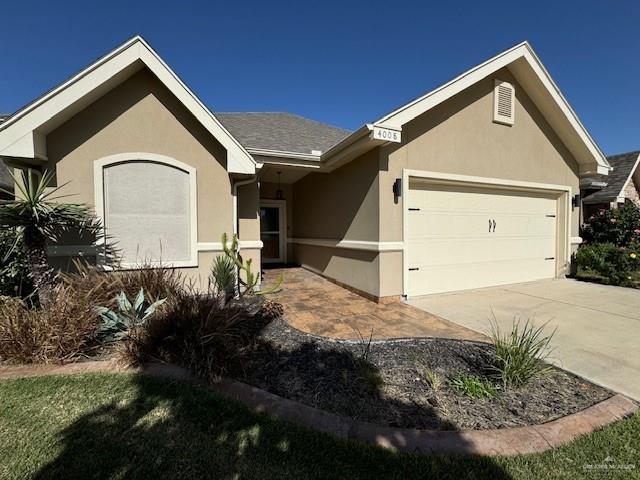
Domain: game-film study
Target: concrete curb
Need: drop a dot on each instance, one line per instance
(508, 441)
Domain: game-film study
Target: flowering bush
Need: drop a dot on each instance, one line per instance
(618, 226)
(613, 263)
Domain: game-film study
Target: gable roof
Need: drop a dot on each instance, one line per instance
(281, 132)
(23, 134)
(528, 70)
(624, 165)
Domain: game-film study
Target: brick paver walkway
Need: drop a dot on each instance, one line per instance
(316, 305)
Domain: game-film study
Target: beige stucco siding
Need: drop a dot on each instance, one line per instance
(141, 115)
(341, 205)
(459, 137)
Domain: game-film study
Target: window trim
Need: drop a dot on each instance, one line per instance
(98, 188)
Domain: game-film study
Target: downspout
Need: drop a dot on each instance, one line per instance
(236, 220)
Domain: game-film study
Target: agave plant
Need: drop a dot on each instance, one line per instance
(116, 325)
(40, 217)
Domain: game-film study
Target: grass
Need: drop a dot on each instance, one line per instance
(473, 386)
(520, 353)
(128, 426)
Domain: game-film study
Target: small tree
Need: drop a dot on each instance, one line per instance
(39, 216)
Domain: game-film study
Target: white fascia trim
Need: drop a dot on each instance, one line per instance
(283, 154)
(349, 244)
(480, 181)
(217, 246)
(404, 114)
(98, 189)
(621, 193)
(25, 122)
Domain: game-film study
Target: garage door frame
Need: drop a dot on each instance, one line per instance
(564, 193)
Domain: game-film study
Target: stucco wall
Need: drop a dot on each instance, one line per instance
(460, 137)
(341, 205)
(141, 115)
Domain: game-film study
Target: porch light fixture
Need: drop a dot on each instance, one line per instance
(279, 193)
(575, 201)
(397, 189)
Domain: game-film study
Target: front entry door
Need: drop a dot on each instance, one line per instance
(272, 231)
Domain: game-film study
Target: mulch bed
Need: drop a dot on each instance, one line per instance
(387, 386)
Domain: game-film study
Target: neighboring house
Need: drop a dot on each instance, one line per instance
(472, 184)
(619, 187)
(6, 182)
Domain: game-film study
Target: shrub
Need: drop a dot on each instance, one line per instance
(102, 287)
(618, 226)
(200, 332)
(473, 386)
(615, 265)
(62, 329)
(14, 271)
(520, 354)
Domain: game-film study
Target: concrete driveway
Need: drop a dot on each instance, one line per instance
(598, 326)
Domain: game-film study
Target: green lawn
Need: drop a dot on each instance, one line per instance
(128, 426)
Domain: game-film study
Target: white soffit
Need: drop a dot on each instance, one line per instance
(526, 67)
(22, 135)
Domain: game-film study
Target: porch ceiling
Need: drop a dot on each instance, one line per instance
(269, 173)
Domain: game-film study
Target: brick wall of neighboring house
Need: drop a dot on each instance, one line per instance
(631, 192)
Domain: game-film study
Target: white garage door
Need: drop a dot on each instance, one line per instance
(467, 237)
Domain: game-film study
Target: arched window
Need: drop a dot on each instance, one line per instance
(147, 203)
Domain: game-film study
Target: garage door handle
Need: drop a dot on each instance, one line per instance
(414, 209)
(492, 223)
(550, 258)
(413, 269)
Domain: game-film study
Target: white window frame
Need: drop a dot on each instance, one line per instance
(281, 205)
(98, 187)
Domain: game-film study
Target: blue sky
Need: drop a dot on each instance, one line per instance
(343, 63)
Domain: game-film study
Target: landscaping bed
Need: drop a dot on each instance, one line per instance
(406, 383)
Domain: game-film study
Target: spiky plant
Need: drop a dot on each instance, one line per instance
(37, 212)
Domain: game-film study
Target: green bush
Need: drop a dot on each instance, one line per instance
(14, 278)
(520, 353)
(473, 386)
(618, 226)
(614, 265)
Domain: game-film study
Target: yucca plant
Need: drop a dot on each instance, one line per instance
(223, 276)
(40, 217)
(520, 353)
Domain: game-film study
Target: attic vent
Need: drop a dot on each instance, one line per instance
(503, 102)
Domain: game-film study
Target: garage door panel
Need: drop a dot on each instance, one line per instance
(451, 247)
(437, 225)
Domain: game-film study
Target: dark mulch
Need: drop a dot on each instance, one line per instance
(389, 386)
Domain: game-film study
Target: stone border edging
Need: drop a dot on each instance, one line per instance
(507, 441)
